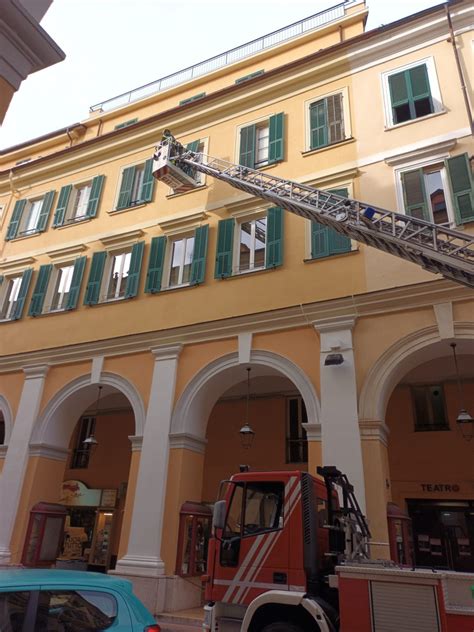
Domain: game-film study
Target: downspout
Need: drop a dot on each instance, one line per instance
(452, 39)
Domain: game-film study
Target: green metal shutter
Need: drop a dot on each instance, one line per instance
(15, 220)
(155, 265)
(37, 300)
(45, 211)
(276, 149)
(198, 267)
(338, 243)
(318, 124)
(462, 187)
(193, 146)
(324, 240)
(335, 118)
(76, 282)
(274, 245)
(399, 92)
(25, 284)
(125, 195)
(225, 247)
(247, 146)
(414, 194)
(95, 278)
(420, 84)
(148, 182)
(63, 201)
(133, 279)
(94, 197)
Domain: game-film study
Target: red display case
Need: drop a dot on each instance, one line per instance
(44, 535)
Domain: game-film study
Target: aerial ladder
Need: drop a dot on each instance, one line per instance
(434, 247)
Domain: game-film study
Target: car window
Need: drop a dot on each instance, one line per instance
(75, 611)
(13, 606)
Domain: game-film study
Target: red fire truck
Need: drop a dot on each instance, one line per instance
(290, 553)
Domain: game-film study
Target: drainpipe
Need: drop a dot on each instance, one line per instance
(452, 39)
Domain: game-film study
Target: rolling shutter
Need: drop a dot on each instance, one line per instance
(133, 279)
(225, 246)
(155, 265)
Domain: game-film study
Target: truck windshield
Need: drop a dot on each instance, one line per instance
(261, 506)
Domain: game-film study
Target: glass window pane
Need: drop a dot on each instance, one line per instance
(81, 201)
(81, 611)
(13, 606)
(234, 514)
(11, 297)
(262, 144)
(245, 245)
(33, 215)
(52, 534)
(176, 261)
(187, 543)
(435, 192)
(137, 185)
(260, 239)
(263, 507)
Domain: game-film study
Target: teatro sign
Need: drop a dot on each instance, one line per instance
(440, 487)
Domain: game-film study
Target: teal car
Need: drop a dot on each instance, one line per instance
(34, 600)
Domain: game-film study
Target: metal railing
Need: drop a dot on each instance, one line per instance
(224, 59)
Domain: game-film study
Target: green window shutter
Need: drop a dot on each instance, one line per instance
(398, 86)
(247, 146)
(194, 146)
(338, 243)
(61, 206)
(462, 187)
(133, 279)
(225, 247)
(257, 73)
(94, 197)
(125, 195)
(37, 300)
(419, 82)
(126, 124)
(25, 284)
(274, 245)
(155, 265)
(148, 182)
(198, 267)
(318, 124)
(276, 150)
(196, 97)
(414, 194)
(95, 278)
(45, 211)
(76, 281)
(319, 241)
(335, 118)
(14, 224)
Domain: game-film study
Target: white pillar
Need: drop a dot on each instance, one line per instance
(339, 416)
(16, 459)
(143, 555)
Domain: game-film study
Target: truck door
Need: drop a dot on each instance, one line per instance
(254, 550)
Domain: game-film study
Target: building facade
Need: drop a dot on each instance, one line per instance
(131, 313)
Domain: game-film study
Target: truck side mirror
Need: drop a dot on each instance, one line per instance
(218, 518)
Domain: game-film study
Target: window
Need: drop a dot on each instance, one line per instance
(177, 261)
(13, 291)
(126, 124)
(262, 143)
(30, 216)
(442, 192)
(77, 202)
(114, 275)
(326, 118)
(250, 243)
(81, 453)
(14, 607)
(326, 241)
(57, 287)
(296, 442)
(136, 185)
(75, 610)
(411, 92)
(429, 407)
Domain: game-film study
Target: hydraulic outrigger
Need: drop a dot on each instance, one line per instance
(432, 246)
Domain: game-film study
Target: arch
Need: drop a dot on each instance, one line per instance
(55, 425)
(396, 361)
(6, 411)
(195, 404)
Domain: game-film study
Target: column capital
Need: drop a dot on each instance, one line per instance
(136, 441)
(37, 370)
(335, 323)
(49, 451)
(188, 442)
(313, 431)
(374, 430)
(167, 352)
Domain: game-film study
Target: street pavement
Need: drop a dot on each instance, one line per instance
(178, 627)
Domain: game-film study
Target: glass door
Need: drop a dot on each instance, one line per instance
(100, 549)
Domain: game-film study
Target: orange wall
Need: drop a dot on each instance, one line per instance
(428, 457)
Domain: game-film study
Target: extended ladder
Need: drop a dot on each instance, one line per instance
(432, 246)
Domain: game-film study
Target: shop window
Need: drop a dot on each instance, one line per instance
(75, 610)
(30, 216)
(136, 185)
(429, 408)
(296, 442)
(13, 608)
(194, 533)
(262, 143)
(81, 453)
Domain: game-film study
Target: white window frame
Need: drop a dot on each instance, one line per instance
(432, 162)
(4, 293)
(50, 294)
(239, 220)
(434, 89)
(106, 277)
(346, 113)
(263, 121)
(69, 217)
(171, 239)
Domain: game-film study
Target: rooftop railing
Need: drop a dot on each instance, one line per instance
(224, 59)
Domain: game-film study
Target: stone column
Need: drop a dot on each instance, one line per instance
(16, 459)
(315, 449)
(341, 445)
(143, 557)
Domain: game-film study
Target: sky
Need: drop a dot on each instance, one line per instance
(113, 46)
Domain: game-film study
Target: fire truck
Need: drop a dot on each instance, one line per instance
(290, 552)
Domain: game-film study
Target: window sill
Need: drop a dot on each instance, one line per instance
(83, 220)
(268, 166)
(28, 236)
(388, 128)
(128, 208)
(175, 195)
(244, 273)
(8, 320)
(310, 152)
(336, 255)
(175, 288)
(433, 429)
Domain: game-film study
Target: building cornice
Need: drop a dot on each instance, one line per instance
(16, 265)
(49, 451)
(405, 298)
(179, 223)
(372, 430)
(67, 253)
(121, 240)
(186, 441)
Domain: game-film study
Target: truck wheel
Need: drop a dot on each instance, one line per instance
(281, 626)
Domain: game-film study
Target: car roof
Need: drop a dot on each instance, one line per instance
(9, 578)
